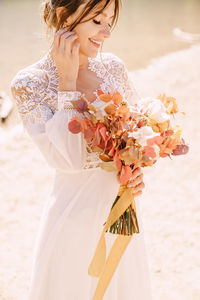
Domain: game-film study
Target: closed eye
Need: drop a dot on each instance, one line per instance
(99, 23)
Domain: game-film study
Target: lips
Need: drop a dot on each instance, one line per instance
(95, 42)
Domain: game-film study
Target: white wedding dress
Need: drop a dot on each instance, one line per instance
(82, 195)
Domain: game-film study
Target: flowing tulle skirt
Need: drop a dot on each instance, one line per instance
(70, 227)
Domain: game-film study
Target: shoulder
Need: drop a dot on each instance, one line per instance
(121, 75)
(114, 65)
(29, 78)
(28, 81)
(112, 59)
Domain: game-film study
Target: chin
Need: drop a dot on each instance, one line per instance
(90, 53)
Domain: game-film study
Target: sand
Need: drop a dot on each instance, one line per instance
(169, 204)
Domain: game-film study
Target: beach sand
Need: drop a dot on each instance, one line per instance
(170, 204)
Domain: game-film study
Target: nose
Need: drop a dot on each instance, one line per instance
(106, 31)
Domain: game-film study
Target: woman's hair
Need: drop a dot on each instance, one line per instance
(49, 12)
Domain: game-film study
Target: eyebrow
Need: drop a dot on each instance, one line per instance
(104, 14)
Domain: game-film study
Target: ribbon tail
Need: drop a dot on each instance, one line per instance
(98, 261)
(99, 258)
(111, 264)
(134, 216)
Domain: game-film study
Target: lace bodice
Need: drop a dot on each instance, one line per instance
(35, 90)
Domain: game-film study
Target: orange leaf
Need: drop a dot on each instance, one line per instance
(96, 149)
(110, 109)
(105, 157)
(89, 134)
(112, 151)
(167, 132)
(75, 125)
(141, 123)
(99, 92)
(123, 111)
(103, 131)
(125, 174)
(108, 143)
(155, 140)
(117, 161)
(84, 124)
(145, 162)
(91, 107)
(168, 146)
(97, 139)
(105, 97)
(117, 98)
(170, 103)
(149, 151)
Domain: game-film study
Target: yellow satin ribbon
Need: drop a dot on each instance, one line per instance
(99, 266)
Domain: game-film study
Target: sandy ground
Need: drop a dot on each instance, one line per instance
(170, 202)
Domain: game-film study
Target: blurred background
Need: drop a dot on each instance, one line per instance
(144, 31)
(159, 41)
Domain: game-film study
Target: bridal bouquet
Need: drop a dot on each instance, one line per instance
(125, 136)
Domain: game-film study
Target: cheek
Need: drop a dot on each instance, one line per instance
(86, 31)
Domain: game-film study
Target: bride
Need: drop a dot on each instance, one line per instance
(81, 198)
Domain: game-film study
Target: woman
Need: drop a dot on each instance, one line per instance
(83, 193)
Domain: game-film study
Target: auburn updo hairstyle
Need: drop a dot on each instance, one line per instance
(48, 9)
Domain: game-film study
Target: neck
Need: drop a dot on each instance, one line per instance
(83, 62)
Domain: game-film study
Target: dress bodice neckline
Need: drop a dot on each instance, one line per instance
(95, 65)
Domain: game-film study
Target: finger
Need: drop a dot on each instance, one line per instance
(60, 31)
(137, 172)
(137, 194)
(57, 36)
(135, 182)
(139, 187)
(66, 42)
(75, 49)
(135, 166)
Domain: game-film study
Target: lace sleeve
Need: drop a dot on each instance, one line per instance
(48, 129)
(28, 91)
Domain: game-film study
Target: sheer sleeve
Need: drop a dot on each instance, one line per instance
(49, 130)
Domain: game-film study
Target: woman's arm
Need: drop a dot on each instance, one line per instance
(61, 149)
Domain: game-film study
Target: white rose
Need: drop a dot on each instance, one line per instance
(142, 134)
(144, 102)
(155, 109)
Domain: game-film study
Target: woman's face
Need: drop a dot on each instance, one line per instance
(93, 32)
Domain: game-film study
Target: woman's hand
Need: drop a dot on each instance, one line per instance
(65, 53)
(136, 181)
